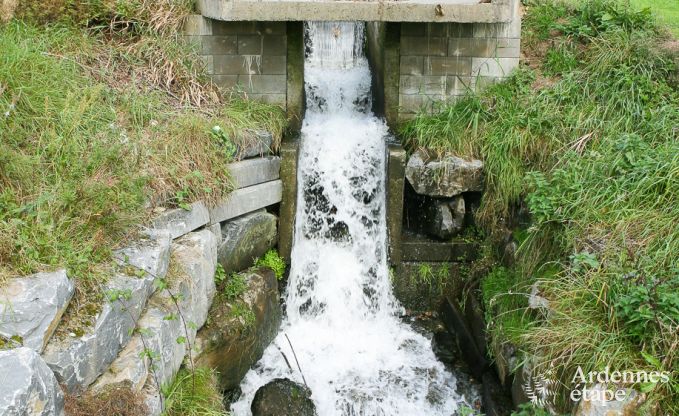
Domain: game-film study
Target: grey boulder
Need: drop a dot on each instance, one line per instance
(28, 386)
(31, 307)
(444, 176)
(445, 219)
(283, 397)
(246, 238)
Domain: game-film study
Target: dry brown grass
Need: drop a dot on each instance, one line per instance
(112, 401)
(7, 8)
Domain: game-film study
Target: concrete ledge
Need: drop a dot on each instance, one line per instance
(422, 250)
(385, 11)
(255, 171)
(247, 200)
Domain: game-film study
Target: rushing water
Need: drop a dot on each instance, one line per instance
(356, 355)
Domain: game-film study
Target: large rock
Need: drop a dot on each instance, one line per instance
(245, 239)
(628, 403)
(444, 177)
(231, 347)
(162, 333)
(283, 397)
(445, 219)
(28, 386)
(31, 307)
(78, 361)
(254, 171)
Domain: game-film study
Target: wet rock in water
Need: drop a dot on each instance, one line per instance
(28, 385)
(32, 306)
(446, 218)
(446, 176)
(246, 238)
(239, 330)
(283, 397)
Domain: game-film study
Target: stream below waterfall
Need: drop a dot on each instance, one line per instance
(355, 353)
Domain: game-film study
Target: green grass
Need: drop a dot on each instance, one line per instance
(586, 139)
(667, 11)
(95, 135)
(194, 394)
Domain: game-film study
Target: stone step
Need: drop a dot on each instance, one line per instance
(78, 361)
(180, 221)
(255, 171)
(242, 201)
(423, 250)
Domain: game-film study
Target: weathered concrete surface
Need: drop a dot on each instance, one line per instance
(422, 286)
(28, 386)
(395, 180)
(242, 201)
(167, 339)
(255, 171)
(327, 10)
(230, 345)
(31, 307)
(286, 226)
(283, 397)
(245, 239)
(446, 176)
(78, 361)
(180, 221)
(295, 76)
(419, 249)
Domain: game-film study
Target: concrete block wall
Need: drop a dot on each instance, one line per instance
(443, 61)
(248, 56)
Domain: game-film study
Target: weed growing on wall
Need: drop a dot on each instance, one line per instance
(273, 261)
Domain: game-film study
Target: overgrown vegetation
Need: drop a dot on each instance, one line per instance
(194, 394)
(273, 261)
(111, 401)
(106, 115)
(585, 136)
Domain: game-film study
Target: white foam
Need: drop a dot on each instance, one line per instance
(358, 358)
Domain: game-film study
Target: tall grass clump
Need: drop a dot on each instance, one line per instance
(194, 394)
(585, 137)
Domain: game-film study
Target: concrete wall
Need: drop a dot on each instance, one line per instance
(443, 61)
(252, 57)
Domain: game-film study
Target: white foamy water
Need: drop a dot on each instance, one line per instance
(356, 355)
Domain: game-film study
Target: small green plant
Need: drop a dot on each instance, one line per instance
(273, 261)
(435, 278)
(194, 393)
(528, 409)
(220, 274)
(235, 286)
(221, 137)
(244, 314)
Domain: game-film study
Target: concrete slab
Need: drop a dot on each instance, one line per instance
(419, 249)
(372, 11)
(242, 201)
(255, 171)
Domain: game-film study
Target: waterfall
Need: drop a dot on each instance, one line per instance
(357, 356)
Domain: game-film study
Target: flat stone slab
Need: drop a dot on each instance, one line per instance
(78, 361)
(255, 171)
(28, 386)
(467, 11)
(31, 307)
(242, 201)
(180, 221)
(418, 249)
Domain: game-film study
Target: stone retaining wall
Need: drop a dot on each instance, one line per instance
(132, 341)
